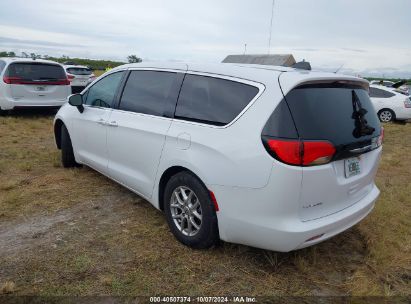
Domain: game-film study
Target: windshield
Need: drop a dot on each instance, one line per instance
(79, 71)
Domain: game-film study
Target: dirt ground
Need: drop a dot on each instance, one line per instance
(75, 232)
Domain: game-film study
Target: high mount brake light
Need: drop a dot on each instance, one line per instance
(300, 152)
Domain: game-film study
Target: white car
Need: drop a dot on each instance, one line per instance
(32, 83)
(385, 83)
(400, 86)
(390, 104)
(79, 77)
(221, 151)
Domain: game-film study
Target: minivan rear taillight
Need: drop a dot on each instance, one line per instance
(11, 80)
(18, 80)
(300, 152)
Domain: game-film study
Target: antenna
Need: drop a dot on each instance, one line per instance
(271, 27)
(339, 69)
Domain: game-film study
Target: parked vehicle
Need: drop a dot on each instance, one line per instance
(400, 86)
(385, 83)
(225, 155)
(390, 104)
(32, 83)
(79, 77)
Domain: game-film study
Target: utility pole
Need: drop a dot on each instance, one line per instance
(245, 48)
(271, 27)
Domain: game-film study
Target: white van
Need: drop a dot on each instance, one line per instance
(32, 83)
(270, 157)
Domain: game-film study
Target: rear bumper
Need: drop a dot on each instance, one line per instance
(280, 231)
(10, 104)
(403, 113)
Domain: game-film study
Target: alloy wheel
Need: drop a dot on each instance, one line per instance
(386, 116)
(186, 211)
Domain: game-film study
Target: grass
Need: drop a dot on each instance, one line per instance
(76, 232)
(98, 73)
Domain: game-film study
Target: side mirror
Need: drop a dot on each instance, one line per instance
(76, 100)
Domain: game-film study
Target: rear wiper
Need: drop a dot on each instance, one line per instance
(361, 124)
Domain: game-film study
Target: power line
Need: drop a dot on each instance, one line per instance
(271, 27)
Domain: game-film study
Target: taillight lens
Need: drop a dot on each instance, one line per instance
(288, 151)
(18, 80)
(407, 102)
(317, 152)
(11, 80)
(301, 153)
(70, 77)
(381, 137)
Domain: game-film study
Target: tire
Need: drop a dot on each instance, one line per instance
(67, 155)
(3, 112)
(386, 115)
(197, 205)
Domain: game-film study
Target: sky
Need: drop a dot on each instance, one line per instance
(364, 37)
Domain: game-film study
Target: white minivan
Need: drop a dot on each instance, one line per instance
(32, 83)
(270, 157)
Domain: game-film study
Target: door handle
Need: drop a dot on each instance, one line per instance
(101, 122)
(112, 124)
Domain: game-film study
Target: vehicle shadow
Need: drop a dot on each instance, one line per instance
(31, 112)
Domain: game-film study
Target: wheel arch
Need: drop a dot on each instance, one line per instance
(165, 177)
(387, 109)
(58, 124)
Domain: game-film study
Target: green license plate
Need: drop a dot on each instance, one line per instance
(352, 166)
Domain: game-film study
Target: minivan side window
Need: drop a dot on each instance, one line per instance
(102, 93)
(149, 92)
(378, 93)
(212, 100)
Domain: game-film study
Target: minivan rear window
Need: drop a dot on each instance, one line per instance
(43, 72)
(329, 111)
(79, 71)
(212, 100)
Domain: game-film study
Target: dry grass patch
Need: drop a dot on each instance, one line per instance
(7, 287)
(74, 232)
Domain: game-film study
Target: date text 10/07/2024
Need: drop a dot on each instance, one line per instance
(235, 299)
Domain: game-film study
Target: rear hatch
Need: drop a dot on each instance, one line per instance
(36, 83)
(79, 76)
(333, 116)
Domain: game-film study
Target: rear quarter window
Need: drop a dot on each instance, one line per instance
(378, 93)
(213, 100)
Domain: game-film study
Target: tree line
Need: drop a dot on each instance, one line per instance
(94, 64)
